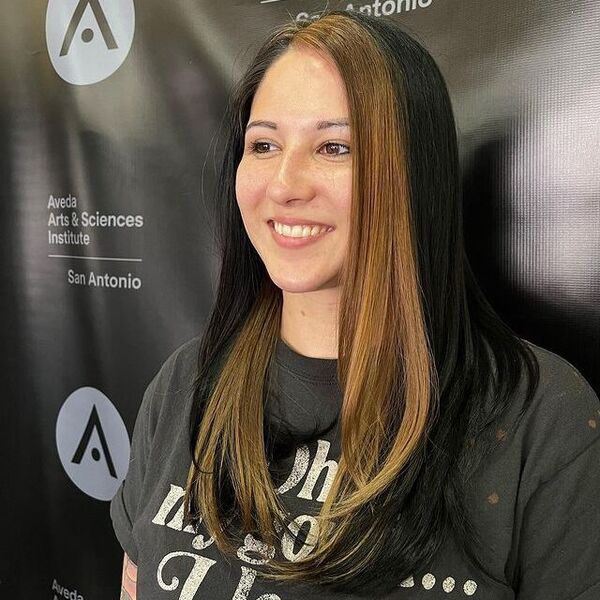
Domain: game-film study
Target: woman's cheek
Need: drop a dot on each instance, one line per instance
(249, 185)
(241, 184)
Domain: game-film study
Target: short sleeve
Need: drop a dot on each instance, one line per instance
(174, 377)
(123, 506)
(559, 546)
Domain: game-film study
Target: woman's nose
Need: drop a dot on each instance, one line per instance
(291, 178)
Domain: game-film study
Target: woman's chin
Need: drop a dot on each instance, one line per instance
(296, 284)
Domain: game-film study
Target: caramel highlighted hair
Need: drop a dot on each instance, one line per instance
(417, 339)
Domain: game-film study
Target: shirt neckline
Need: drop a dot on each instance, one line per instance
(307, 366)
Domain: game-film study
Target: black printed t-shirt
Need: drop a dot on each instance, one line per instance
(535, 499)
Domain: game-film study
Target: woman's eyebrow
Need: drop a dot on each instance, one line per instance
(319, 124)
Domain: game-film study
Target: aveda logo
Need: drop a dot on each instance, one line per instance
(88, 40)
(92, 442)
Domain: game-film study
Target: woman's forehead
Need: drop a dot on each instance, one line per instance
(300, 92)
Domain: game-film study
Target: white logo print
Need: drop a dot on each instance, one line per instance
(88, 40)
(92, 442)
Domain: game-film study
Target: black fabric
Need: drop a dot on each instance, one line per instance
(534, 499)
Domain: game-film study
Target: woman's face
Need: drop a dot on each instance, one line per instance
(296, 170)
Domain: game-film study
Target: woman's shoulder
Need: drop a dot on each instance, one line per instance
(179, 363)
(563, 418)
(563, 394)
(171, 387)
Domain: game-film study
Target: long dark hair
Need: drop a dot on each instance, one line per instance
(421, 351)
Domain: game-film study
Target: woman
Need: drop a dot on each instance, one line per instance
(361, 420)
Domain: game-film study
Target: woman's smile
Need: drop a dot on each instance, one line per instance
(297, 236)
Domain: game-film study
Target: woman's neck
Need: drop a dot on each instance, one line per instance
(309, 322)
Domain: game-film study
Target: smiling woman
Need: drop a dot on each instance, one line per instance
(360, 419)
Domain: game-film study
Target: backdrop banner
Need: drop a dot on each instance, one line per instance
(111, 118)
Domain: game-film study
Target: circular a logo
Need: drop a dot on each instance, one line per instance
(93, 443)
(88, 40)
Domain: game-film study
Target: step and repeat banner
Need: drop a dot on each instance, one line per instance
(110, 115)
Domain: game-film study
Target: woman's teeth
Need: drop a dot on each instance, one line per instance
(299, 231)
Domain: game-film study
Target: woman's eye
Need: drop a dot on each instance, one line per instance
(263, 148)
(254, 147)
(336, 145)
